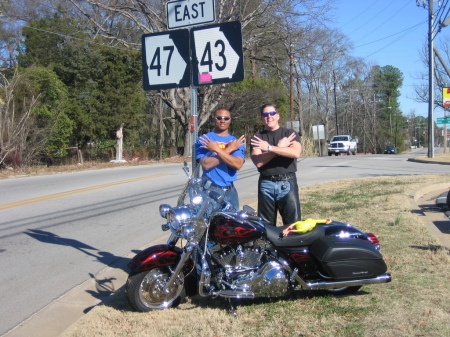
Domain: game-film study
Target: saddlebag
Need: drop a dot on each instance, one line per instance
(345, 259)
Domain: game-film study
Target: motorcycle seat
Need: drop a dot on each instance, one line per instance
(275, 236)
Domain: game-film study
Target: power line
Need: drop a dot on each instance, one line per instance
(353, 19)
(382, 24)
(407, 30)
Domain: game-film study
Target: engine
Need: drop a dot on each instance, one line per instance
(250, 269)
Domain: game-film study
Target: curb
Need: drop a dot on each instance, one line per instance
(428, 161)
(429, 218)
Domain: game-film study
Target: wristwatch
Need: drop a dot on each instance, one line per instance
(269, 148)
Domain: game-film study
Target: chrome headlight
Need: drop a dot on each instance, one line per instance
(178, 217)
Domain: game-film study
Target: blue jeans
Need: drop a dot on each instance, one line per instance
(279, 196)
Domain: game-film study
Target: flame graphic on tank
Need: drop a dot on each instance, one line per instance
(227, 231)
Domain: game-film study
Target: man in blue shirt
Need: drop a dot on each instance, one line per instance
(221, 156)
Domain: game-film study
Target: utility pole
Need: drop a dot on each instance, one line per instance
(431, 80)
(335, 103)
(291, 70)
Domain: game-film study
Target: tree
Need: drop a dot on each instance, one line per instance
(104, 82)
(50, 113)
(31, 121)
(386, 84)
(149, 17)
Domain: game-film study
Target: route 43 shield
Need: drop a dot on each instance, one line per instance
(217, 55)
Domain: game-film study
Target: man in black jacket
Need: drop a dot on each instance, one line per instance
(274, 152)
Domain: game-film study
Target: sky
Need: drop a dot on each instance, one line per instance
(391, 32)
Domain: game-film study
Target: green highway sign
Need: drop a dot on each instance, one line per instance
(443, 120)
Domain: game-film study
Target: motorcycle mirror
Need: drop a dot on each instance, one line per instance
(249, 210)
(186, 168)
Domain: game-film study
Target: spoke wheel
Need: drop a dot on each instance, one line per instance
(145, 290)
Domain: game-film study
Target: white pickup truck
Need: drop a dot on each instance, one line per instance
(342, 144)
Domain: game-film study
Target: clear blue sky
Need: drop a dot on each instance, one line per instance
(390, 32)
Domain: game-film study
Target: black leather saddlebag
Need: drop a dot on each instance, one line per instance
(346, 259)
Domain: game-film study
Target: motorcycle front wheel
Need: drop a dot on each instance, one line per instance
(145, 290)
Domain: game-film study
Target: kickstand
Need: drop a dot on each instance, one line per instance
(232, 308)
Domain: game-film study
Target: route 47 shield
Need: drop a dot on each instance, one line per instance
(165, 60)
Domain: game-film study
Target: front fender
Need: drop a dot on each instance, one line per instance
(155, 257)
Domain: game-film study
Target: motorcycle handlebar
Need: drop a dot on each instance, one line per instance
(254, 218)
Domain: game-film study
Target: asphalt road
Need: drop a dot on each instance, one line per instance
(57, 231)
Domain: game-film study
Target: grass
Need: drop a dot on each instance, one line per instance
(415, 303)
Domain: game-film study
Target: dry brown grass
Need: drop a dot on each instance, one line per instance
(43, 169)
(415, 303)
(441, 157)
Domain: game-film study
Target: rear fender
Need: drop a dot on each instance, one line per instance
(155, 257)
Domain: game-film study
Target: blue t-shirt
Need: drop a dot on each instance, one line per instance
(222, 174)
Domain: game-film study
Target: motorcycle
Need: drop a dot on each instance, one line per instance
(234, 255)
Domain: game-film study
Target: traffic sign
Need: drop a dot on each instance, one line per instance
(217, 55)
(165, 60)
(444, 120)
(446, 96)
(183, 13)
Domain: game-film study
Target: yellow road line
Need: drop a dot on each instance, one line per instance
(80, 190)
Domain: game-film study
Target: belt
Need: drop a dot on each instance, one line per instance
(225, 188)
(279, 177)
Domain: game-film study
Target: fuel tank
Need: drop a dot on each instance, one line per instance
(227, 230)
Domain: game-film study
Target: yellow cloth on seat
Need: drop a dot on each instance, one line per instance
(308, 224)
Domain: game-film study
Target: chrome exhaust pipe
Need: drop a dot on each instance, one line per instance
(385, 278)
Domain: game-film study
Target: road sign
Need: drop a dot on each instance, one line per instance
(444, 120)
(183, 13)
(446, 96)
(217, 55)
(165, 60)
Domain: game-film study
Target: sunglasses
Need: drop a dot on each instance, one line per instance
(266, 114)
(222, 118)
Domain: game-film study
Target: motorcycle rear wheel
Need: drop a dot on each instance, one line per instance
(145, 290)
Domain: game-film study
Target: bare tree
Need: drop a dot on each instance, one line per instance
(121, 21)
(15, 122)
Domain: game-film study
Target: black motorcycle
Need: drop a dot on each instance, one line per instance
(217, 251)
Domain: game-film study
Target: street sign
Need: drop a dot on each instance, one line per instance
(217, 55)
(444, 120)
(183, 13)
(165, 60)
